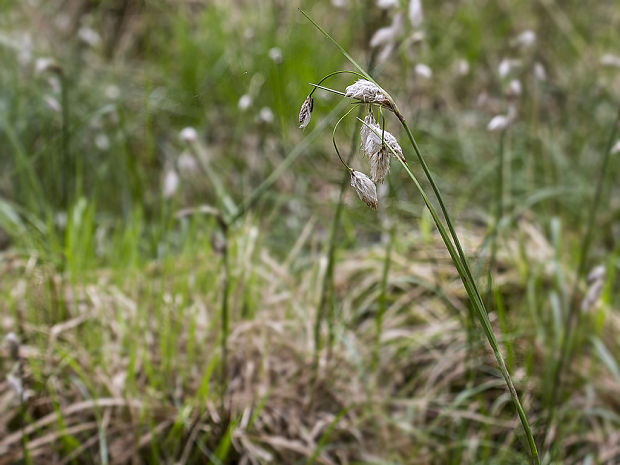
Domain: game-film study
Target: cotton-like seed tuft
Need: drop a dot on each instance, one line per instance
(305, 114)
(365, 188)
(368, 92)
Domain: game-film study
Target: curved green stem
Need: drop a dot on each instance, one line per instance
(334, 139)
(330, 75)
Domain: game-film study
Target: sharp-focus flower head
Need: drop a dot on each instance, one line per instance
(365, 188)
(306, 112)
(369, 92)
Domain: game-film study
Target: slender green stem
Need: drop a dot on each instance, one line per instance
(573, 315)
(499, 212)
(458, 257)
(224, 320)
(474, 295)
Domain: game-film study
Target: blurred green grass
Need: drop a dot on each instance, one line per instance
(89, 235)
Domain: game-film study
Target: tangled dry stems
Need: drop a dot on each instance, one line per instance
(280, 410)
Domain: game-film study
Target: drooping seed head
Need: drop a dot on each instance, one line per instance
(306, 112)
(369, 92)
(365, 188)
(370, 135)
(380, 165)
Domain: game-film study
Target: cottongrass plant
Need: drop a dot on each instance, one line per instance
(366, 91)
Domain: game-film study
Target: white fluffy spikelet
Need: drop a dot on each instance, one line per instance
(368, 92)
(306, 112)
(365, 188)
(380, 166)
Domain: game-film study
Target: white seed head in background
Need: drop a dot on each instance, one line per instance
(507, 65)
(16, 384)
(365, 188)
(616, 148)
(170, 184)
(368, 92)
(43, 65)
(424, 71)
(12, 341)
(539, 71)
(340, 3)
(462, 66)
(112, 92)
(597, 274)
(596, 279)
(385, 4)
(89, 36)
(188, 135)
(416, 14)
(499, 123)
(515, 89)
(275, 54)
(187, 164)
(305, 113)
(526, 39)
(244, 102)
(386, 37)
(266, 115)
(102, 141)
(611, 60)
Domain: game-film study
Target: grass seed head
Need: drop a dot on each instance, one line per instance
(305, 114)
(380, 165)
(369, 92)
(365, 188)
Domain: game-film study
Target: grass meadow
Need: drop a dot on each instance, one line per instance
(187, 277)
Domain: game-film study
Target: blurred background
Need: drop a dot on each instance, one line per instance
(186, 276)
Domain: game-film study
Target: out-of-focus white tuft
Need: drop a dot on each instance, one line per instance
(424, 71)
(385, 4)
(416, 13)
(266, 115)
(244, 102)
(507, 65)
(387, 37)
(188, 135)
(171, 183)
(610, 60)
(539, 71)
(275, 54)
(526, 39)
